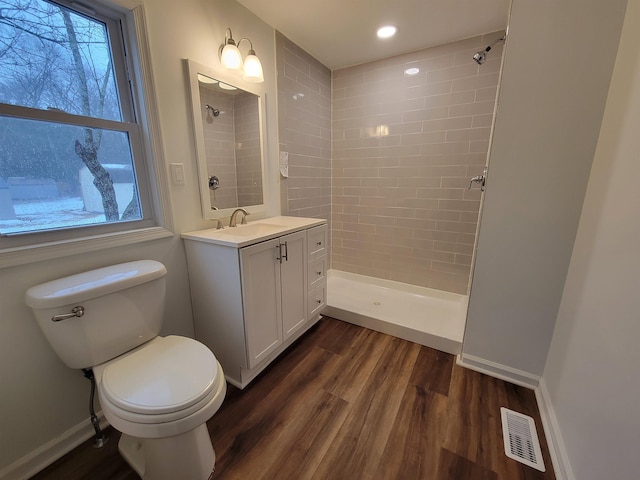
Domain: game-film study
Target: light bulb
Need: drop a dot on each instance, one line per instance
(231, 57)
(253, 69)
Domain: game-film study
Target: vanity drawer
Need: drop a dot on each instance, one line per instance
(317, 272)
(317, 241)
(317, 300)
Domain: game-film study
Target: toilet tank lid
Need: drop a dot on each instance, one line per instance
(93, 284)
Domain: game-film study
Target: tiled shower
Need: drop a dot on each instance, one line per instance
(398, 166)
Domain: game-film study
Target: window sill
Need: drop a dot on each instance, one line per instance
(11, 257)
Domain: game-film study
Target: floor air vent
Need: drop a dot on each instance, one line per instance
(521, 439)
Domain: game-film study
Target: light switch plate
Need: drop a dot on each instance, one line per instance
(177, 173)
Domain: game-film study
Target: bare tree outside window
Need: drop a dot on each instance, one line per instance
(62, 122)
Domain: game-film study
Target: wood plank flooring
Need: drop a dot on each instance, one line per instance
(346, 402)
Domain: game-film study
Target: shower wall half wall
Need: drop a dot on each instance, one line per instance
(304, 129)
(404, 149)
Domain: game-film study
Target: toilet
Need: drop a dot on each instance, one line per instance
(158, 391)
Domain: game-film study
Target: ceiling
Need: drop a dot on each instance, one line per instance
(341, 33)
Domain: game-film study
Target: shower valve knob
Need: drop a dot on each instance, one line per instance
(481, 179)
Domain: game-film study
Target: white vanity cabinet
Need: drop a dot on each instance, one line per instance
(252, 296)
(273, 274)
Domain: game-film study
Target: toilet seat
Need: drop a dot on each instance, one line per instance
(166, 380)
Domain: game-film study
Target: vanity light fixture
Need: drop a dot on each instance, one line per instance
(231, 58)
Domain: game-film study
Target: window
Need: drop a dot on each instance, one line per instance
(72, 156)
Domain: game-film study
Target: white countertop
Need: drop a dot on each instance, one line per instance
(253, 232)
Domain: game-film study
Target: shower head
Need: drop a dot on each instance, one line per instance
(480, 57)
(214, 111)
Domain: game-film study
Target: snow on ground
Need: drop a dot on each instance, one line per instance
(47, 214)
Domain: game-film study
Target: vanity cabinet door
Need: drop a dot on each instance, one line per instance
(261, 290)
(294, 282)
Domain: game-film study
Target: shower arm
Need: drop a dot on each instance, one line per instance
(501, 39)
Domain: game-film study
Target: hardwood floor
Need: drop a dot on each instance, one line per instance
(349, 403)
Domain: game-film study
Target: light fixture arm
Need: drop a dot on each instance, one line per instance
(251, 50)
(228, 40)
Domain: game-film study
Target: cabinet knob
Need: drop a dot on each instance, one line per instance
(319, 244)
(319, 273)
(318, 302)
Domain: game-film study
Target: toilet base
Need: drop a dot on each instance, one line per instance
(186, 456)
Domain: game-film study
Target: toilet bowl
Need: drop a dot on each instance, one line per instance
(158, 391)
(164, 391)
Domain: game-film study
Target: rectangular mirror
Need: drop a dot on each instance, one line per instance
(228, 126)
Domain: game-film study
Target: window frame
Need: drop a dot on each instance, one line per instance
(140, 122)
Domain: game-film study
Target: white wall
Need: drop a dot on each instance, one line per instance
(194, 29)
(557, 66)
(41, 398)
(591, 374)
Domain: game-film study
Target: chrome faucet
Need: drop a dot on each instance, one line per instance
(232, 220)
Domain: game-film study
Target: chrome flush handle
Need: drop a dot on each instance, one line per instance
(75, 312)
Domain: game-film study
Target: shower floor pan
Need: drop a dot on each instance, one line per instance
(422, 315)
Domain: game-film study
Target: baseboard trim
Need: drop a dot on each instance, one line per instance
(559, 457)
(51, 451)
(503, 372)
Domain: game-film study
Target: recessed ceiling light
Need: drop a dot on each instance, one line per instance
(412, 71)
(387, 31)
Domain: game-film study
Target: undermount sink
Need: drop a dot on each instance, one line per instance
(253, 229)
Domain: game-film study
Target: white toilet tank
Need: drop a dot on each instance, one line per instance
(123, 307)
